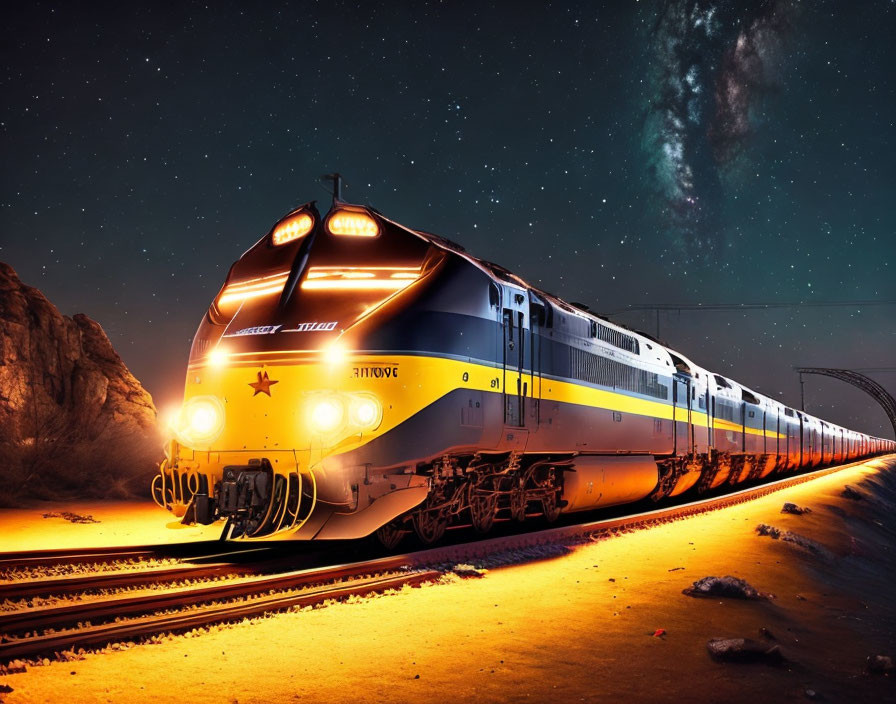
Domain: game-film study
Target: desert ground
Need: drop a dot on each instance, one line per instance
(600, 621)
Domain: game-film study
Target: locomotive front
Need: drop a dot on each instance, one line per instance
(294, 368)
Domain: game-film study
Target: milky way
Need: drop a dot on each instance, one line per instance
(712, 65)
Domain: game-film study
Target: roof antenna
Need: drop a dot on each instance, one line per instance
(336, 178)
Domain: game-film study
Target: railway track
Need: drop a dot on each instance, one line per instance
(128, 579)
(54, 629)
(73, 556)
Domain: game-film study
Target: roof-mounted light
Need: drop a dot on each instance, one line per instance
(235, 293)
(347, 278)
(292, 228)
(352, 223)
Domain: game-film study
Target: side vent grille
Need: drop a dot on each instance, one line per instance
(618, 339)
(594, 369)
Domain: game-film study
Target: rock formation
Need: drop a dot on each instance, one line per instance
(73, 420)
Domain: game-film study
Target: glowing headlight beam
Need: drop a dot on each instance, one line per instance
(366, 412)
(327, 415)
(335, 354)
(218, 357)
(200, 422)
(336, 414)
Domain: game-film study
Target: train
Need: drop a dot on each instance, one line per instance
(356, 377)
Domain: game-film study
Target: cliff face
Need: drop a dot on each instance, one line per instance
(73, 419)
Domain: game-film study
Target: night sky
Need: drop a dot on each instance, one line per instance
(635, 152)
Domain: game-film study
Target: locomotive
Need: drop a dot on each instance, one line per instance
(356, 376)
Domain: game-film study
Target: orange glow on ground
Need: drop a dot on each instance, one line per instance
(120, 523)
(571, 627)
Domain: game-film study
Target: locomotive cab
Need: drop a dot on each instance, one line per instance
(315, 346)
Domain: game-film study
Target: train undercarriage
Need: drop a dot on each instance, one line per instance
(477, 490)
(474, 490)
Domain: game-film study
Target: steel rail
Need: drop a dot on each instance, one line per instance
(124, 605)
(125, 579)
(150, 625)
(58, 556)
(424, 560)
(57, 586)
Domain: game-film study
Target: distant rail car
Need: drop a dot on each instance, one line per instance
(354, 375)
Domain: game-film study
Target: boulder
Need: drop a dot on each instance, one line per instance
(723, 586)
(770, 531)
(794, 509)
(879, 664)
(744, 650)
(73, 419)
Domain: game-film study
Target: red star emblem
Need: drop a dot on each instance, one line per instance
(263, 385)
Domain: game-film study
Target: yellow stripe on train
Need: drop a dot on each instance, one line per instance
(406, 384)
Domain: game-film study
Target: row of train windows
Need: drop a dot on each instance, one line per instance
(595, 369)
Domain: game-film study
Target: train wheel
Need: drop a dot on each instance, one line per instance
(551, 507)
(429, 525)
(518, 503)
(482, 511)
(390, 535)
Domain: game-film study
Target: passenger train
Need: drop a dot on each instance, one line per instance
(356, 376)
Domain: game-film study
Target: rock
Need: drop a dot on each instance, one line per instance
(73, 419)
(794, 509)
(5, 689)
(770, 531)
(879, 664)
(466, 570)
(744, 650)
(795, 538)
(723, 586)
(850, 493)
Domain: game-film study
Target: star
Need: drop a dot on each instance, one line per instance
(263, 385)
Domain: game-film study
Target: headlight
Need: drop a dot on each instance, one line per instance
(366, 412)
(200, 422)
(335, 415)
(327, 415)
